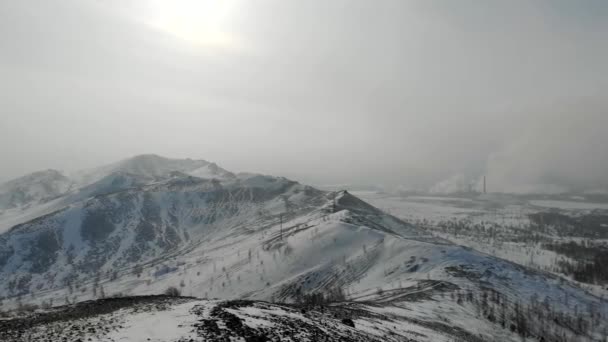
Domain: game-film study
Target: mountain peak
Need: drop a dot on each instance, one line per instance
(34, 187)
(48, 174)
(156, 166)
(150, 161)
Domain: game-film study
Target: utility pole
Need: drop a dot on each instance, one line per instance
(333, 208)
(484, 184)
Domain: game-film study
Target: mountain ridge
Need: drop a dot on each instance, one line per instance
(250, 237)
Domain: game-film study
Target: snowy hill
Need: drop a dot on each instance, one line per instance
(120, 229)
(139, 230)
(44, 192)
(33, 188)
(159, 318)
(154, 166)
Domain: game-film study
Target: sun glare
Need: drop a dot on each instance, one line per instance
(202, 22)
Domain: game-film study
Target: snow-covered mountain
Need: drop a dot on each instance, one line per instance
(33, 189)
(43, 192)
(153, 166)
(149, 223)
(140, 210)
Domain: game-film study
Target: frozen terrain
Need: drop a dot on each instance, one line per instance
(185, 319)
(535, 231)
(152, 223)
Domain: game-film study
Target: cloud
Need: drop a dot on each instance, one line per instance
(558, 152)
(394, 92)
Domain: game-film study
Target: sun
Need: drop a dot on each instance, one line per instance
(202, 22)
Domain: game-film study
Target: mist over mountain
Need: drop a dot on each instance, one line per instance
(424, 92)
(270, 170)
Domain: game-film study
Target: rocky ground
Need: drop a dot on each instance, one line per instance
(79, 322)
(162, 318)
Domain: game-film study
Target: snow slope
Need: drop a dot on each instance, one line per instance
(44, 192)
(153, 166)
(33, 189)
(163, 319)
(267, 238)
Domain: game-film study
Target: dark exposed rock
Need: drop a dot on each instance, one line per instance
(348, 321)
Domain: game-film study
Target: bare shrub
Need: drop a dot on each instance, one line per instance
(172, 291)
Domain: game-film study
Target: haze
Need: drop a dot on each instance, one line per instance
(395, 93)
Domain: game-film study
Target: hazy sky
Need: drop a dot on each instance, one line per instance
(352, 91)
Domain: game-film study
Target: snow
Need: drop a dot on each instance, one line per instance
(319, 247)
(14, 216)
(266, 238)
(158, 326)
(440, 198)
(33, 189)
(569, 205)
